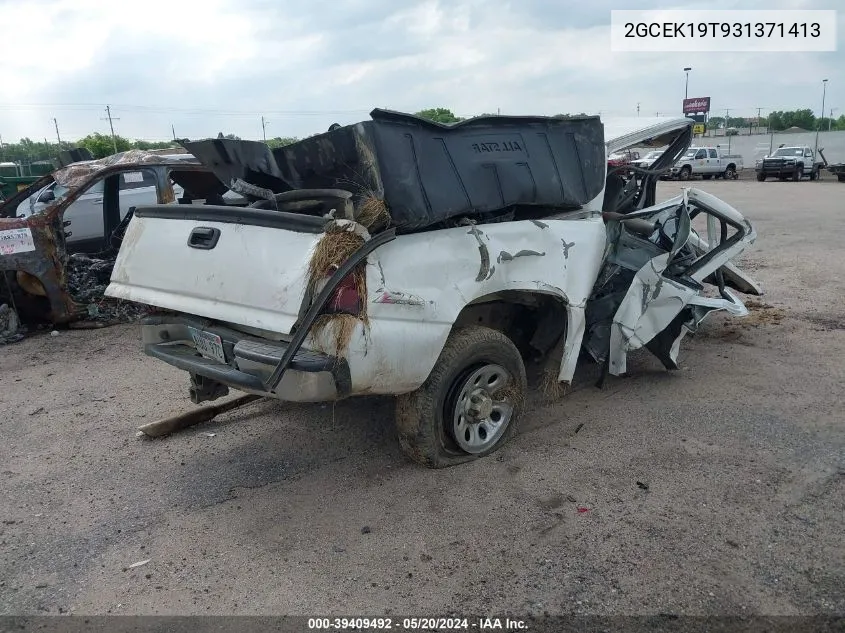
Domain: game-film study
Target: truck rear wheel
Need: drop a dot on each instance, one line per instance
(470, 404)
(814, 174)
(685, 173)
(730, 172)
(761, 176)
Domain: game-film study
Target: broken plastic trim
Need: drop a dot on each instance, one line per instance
(319, 303)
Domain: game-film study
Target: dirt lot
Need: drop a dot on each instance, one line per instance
(719, 488)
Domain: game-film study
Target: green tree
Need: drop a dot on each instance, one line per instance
(102, 145)
(780, 120)
(28, 151)
(803, 118)
(281, 141)
(439, 115)
(775, 121)
(146, 145)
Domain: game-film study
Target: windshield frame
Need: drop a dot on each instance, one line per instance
(796, 152)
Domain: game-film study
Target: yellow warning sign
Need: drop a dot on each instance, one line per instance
(698, 128)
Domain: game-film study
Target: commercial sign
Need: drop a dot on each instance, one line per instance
(698, 128)
(696, 104)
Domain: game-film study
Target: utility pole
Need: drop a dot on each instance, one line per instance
(173, 129)
(686, 84)
(264, 128)
(58, 138)
(830, 119)
(109, 118)
(759, 116)
(638, 109)
(824, 93)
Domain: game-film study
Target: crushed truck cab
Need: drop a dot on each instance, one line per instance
(434, 263)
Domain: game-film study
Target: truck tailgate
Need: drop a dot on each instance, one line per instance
(241, 266)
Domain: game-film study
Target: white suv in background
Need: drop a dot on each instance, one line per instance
(136, 188)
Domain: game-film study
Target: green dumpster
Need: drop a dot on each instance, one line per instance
(10, 186)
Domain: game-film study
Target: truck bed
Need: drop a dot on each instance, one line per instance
(426, 172)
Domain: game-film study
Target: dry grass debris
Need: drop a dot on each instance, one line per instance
(372, 213)
(335, 247)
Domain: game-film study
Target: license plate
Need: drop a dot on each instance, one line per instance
(209, 345)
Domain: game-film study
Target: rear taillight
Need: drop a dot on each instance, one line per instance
(345, 297)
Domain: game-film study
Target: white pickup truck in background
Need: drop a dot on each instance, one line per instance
(494, 248)
(707, 162)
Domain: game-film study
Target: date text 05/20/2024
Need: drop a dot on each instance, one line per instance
(418, 624)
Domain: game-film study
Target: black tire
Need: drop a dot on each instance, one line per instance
(840, 177)
(707, 176)
(685, 173)
(799, 171)
(814, 175)
(730, 173)
(424, 418)
(761, 176)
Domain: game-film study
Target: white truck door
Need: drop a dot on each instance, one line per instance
(714, 163)
(86, 215)
(137, 188)
(700, 162)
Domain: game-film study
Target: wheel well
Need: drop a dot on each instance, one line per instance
(25, 293)
(534, 321)
(731, 165)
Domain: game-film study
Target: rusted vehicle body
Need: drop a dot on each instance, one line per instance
(33, 249)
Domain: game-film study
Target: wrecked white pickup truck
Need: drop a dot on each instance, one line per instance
(398, 256)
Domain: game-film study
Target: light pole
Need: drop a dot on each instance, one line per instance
(686, 84)
(824, 93)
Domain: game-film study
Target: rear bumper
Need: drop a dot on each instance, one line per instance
(250, 361)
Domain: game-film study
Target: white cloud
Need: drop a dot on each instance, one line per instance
(220, 67)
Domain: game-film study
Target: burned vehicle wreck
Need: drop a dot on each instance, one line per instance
(433, 263)
(59, 236)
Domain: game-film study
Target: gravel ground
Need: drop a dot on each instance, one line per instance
(716, 489)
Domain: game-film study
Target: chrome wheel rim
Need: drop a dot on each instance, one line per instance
(483, 409)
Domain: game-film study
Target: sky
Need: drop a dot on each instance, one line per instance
(200, 67)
